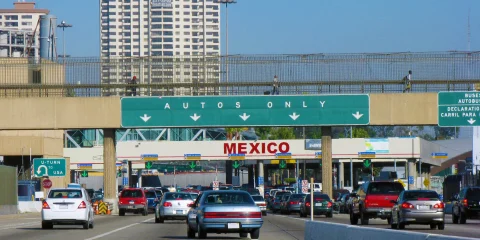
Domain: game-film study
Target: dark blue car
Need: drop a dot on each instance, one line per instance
(152, 199)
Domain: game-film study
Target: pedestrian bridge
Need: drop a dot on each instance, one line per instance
(105, 112)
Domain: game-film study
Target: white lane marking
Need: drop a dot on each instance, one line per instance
(12, 226)
(118, 229)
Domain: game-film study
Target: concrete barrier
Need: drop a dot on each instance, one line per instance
(29, 206)
(8, 209)
(334, 231)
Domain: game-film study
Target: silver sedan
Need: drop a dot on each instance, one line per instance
(418, 207)
(174, 206)
(224, 211)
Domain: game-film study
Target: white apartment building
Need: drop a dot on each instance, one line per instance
(160, 41)
(17, 28)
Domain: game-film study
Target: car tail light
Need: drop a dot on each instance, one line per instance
(45, 205)
(329, 204)
(167, 204)
(407, 205)
(439, 205)
(307, 204)
(262, 204)
(233, 215)
(82, 205)
(465, 202)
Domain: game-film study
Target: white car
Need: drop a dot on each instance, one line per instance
(67, 206)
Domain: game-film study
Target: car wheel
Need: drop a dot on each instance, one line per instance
(47, 225)
(121, 212)
(463, 218)
(145, 212)
(441, 226)
(454, 217)
(353, 218)
(392, 225)
(264, 213)
(201, 233)
(157, 220)
(433, 226)
(363, 218)
(329, 215)
(85, 225)
(91, 224)
(255, 234)
(243, 234)
(190, 232)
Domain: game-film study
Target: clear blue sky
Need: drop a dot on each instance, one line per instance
(309, 26)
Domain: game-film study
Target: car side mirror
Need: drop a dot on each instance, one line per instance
(393, 201)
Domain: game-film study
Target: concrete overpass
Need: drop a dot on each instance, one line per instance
(62, 113)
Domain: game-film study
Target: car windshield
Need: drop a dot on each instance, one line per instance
(473, 193)
(178, 196)
(420, 195)
(132, 193)
(258, 198)
(150, 194)
(65, 193)
(239, 198)
(380, 188)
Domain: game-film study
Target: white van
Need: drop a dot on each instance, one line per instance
(317, 187)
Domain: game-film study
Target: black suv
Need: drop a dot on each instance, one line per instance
(466, 205)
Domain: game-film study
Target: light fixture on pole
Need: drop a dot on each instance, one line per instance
(226, 2)
(64, 25)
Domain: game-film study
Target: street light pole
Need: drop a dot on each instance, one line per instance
(226, 2)
(64, 25)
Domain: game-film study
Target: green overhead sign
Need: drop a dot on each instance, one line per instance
(224, 111)
(51, 167)
(457, 109)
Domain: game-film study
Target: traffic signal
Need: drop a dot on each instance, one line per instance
(367, 166)
(119, 172)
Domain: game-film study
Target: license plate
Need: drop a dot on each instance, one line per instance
(129, 206)
(387, 209)
(179, 211)
(318, 204)
(233, 225)
(132, 202)
(63, 206)
(423, 207)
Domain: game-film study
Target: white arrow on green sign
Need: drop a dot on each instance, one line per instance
(207, 111)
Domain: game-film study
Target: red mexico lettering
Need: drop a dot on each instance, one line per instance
(256, 148)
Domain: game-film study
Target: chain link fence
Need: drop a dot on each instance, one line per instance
(239, 74)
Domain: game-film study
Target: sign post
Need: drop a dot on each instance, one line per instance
(225, 111)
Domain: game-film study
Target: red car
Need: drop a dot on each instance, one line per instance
(132, 200)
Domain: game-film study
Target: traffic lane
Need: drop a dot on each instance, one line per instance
(33, 230)
(273, 228)
(460, 230)
(10, 221)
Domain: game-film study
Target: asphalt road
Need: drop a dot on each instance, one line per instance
(461, 230)
(27, 226)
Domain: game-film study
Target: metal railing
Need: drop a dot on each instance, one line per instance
(247, 74)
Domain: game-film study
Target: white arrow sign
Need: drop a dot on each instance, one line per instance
(294, 116)
(44, 167)
(357, 115)
(195, 117)
(145, 117)
(471, 121)
(244, 116)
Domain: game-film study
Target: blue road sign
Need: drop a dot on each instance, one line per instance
(118, 164)
(313, 144)
(84, 166)
(318, 154)
(236, 156)
(283, 155)
(194, 156)
(125, 181)
(260, 180)
(411, 180)
(439, 155)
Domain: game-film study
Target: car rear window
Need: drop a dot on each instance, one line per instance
(150, 194)
(385, 188)
(229, 198)
(66, 193)
(420, 195)
(178, 196)
(319, 197)
(297, 196)
(473, 193)
(258, 198)
(132, 193)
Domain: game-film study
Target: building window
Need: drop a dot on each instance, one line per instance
(11, 18)
(26, 16)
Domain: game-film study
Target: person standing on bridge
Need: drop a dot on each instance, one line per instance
(276, 86)
(133, 88)
(406, 82)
